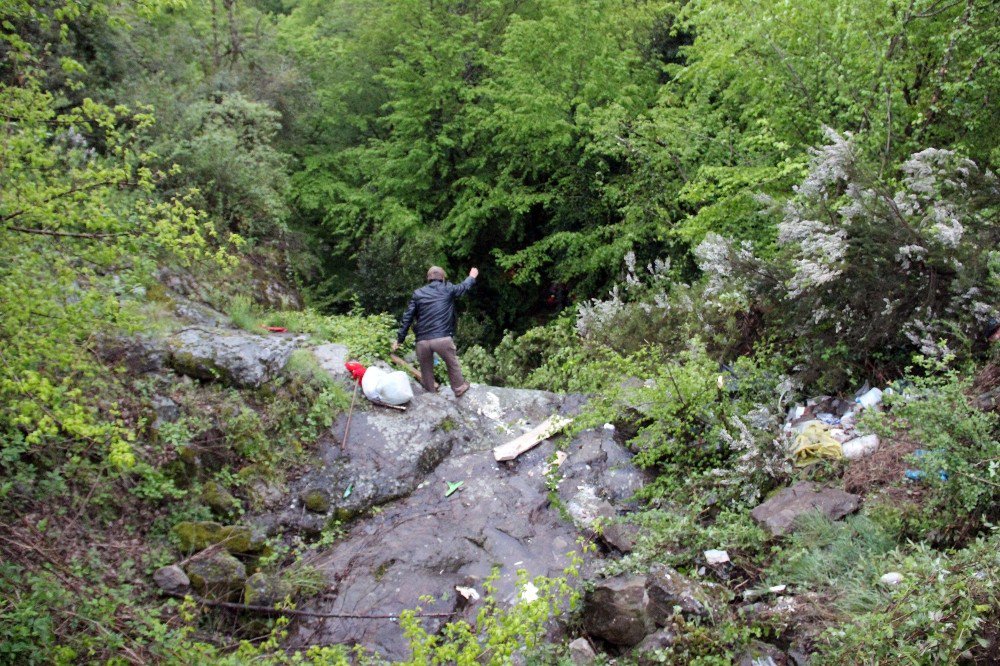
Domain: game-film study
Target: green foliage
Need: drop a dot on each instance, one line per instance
(944, 611)
(498, 632)
(678, 536)
(225, 153)
(962, 463)
(844, 559)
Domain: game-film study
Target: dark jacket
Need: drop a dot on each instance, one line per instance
(433, 307)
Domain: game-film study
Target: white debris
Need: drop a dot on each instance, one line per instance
(892, 578)
(608, 426)
(870, 399)
(529, 593)
(859, 447)
(468, 592)
(716, 556)
(777, 588)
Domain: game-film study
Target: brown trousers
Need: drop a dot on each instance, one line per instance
(445, 348)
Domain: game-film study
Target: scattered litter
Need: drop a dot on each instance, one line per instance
(802, 425)
(860, 447)
(777, 588)
(529, 593)
(919, 475)
(532, 438)
(468, 592)
(870, 398)
(350, 489)
(716, 556)
(798, 411)
(452, 487)
(891, 578)
(814, 443)
(560, 458)
(609, 426)
(828, 418)
(840, 435)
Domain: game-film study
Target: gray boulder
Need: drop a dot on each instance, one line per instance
(668, 591)
(263, 589)
(778, 514)
(615, 610)
(580, 652)
(239, 359)
(216, 575)
(660, 639)
(762, 654)
(171, 578)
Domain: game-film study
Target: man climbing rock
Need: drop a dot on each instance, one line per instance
(432, 313)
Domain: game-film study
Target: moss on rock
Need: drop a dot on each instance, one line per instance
(198, 535)
(216, 575)
(219, 500)
(316, 500)
(263, 589)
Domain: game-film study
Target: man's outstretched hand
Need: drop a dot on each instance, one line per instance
(474, 273)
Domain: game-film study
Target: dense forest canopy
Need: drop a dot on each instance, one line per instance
(799, 193)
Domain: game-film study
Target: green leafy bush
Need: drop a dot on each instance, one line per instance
(961, 445)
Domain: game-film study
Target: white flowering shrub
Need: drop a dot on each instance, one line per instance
(871, 268)
(651, 307)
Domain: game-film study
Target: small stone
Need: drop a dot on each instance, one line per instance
(171, 578)
(217, 575)
(218, 499)
(660, 639)
(262, 589)
(892, 578)
(716, 556)
(580, 652)
(762, 654)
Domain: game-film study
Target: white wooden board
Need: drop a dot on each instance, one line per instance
(530, 439)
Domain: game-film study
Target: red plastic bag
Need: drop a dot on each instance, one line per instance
(356, 369)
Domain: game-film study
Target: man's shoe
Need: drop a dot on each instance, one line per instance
(460, 391)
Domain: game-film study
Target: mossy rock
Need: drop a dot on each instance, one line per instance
(316, 500)
(216, 575)
(263, 589)
(258, 489)
(219, 500)
(195, 536)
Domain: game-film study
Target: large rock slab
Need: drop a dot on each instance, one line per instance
(778, 514)
(597, 483)
(235, 358)
(332, 357)
(421, 541)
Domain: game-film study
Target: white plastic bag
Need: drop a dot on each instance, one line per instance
(395, 388)
(392, 388)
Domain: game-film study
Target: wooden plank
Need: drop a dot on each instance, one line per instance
(406, 366)
(532, 438)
